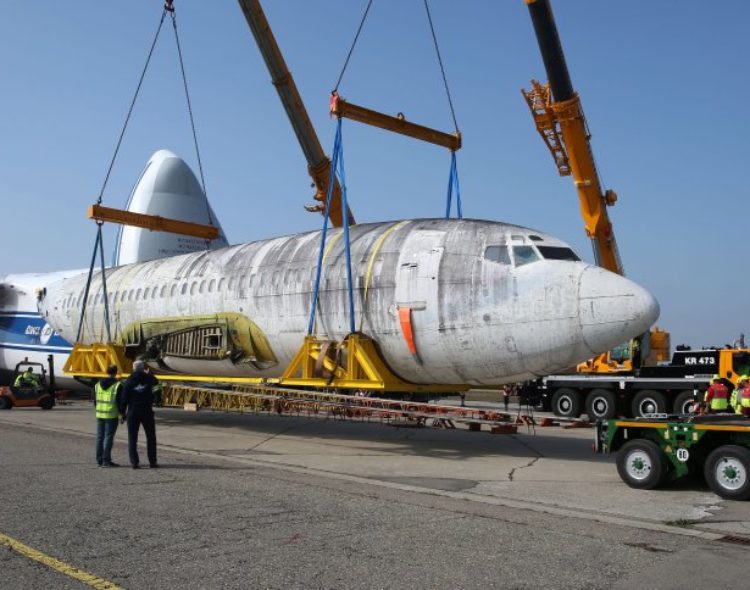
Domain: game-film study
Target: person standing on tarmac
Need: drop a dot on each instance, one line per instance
(136, 406)
(717, 397)
(106, 403)
(742, 406)
(735, 401)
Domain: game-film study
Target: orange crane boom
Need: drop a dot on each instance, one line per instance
(558, 115)
(319, 165)
(559, 119)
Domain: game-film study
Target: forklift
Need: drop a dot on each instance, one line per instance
(41, 395)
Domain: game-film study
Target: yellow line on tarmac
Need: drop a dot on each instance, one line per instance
(56, 564)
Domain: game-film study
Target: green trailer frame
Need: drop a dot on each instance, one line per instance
(653, 451)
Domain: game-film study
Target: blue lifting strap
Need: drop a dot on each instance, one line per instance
(98, 249)
(337, 162)
(453, 182)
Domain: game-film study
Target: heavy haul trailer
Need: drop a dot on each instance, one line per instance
(651, 452)
(667, 388)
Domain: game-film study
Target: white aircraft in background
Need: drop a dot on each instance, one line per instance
(166, 187)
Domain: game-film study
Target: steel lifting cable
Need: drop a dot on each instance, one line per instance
(440, 61)
(168, 7)
(453, 176)
(132, 102)
(354, 43)
(99, 242)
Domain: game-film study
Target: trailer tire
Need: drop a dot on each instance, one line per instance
(648, 402)
(566, 403)
(683, 401)
(727, 472)
(601, 404)
(5, 403)
(641, 464)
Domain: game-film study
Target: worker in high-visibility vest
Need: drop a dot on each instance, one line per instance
(106, 401)
(27, 379)
(743, 398)
(717, 397)
(735, 401)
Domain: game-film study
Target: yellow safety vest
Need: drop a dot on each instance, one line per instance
(744, 396)
(105, 401)
(26, 380)
(734, 401)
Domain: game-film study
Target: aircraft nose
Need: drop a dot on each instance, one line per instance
(613, 309)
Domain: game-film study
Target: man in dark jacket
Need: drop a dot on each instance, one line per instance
(106, 402)
(136, 406)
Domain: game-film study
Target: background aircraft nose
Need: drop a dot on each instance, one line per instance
(613, 309)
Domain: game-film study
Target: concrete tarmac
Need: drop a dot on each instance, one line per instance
(267, 501)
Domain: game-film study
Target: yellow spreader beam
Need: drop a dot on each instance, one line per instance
(153, 222)
(397, 124)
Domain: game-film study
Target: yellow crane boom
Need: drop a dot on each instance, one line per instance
(559, 119)
(558, 115)
(319, 165)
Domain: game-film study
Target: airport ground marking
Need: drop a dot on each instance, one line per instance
(469, 496)
(60, 566)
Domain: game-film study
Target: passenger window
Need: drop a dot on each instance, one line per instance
(202, 288)
(163, 291)
(193, 287)
(173, 290)
(524, 255)
(211, 285)
(137, 294)
(230, 285)
(183, 289)
(497, 254)
(145, 293)
(221, 284)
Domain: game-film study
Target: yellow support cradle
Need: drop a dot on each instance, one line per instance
(354, 363)
(92, 360)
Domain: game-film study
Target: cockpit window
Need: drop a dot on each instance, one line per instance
(557, 253)
(524, 255)
(497, 254)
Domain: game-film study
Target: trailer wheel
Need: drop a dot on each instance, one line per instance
(727, 472)
(648, 402)
(601, 404)
(566, 403)
(683, 402)
(641, 464)
(5, 403)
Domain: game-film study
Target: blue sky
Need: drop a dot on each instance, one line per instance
(664, 86)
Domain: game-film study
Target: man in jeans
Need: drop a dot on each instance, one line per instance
(106, 402)
(136, 406)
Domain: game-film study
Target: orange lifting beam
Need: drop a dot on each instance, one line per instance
(153, 222)
(397, 124)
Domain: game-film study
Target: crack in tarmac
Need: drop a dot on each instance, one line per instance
(512, 472)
